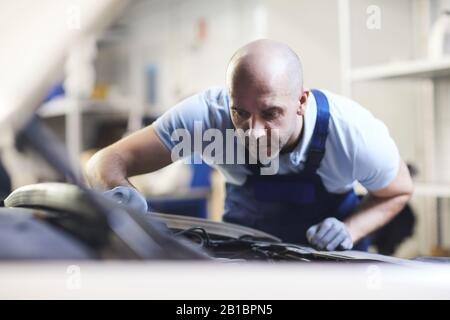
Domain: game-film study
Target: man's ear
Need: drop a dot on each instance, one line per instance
(303, 101)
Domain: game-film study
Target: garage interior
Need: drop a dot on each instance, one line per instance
(392, 57)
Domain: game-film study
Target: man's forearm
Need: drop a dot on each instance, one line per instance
(139, 153)
(106, 170)
(373, 213)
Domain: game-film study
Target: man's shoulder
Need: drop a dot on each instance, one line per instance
(348, 119)
(354, 130)
(346, 110)
(351, 125)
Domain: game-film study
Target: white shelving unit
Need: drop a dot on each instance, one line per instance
(435, 73)
(72, 111)
(131, 108)
(420, 69)
(432, 190)
(423, 69)
(406, 70)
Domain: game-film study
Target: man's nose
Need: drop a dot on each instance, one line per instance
(256, 129)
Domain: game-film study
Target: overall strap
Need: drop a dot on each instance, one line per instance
(316, 149)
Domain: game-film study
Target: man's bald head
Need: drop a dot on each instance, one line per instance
(266, 65)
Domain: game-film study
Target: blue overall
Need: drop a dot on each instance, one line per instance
(287, 205)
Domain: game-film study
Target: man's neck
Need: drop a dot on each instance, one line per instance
(296, 137)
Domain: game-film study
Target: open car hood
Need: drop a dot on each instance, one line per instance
(223, 241)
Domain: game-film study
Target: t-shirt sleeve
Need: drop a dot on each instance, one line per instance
(376, 158)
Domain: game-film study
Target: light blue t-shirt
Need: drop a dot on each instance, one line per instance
(358, 147)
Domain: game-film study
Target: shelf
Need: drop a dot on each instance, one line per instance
(419, 69)
(432, 190)
(420, 189)
(60, 107)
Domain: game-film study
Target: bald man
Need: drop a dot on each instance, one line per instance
(322, 143)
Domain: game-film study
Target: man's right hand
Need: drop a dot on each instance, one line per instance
(331, 234)
(129, 197)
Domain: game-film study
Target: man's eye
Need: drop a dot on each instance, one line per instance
(240, 113)
(272, 114)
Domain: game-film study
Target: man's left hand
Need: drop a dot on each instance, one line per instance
(130, 197)
(331, 234)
